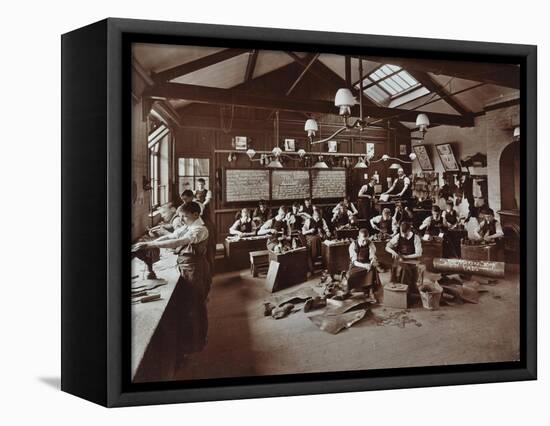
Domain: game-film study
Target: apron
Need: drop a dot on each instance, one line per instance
(451, 217)
(359, 277)
(245, 227)
(405, 273)
(190, 319)
(399, 185)
(488, 228)
(435, 227)
(314, 241)
(385, 226)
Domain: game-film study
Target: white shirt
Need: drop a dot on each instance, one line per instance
(186, 236)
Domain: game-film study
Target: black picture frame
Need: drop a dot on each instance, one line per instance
(444, 160)
(96, 156)
(423, 155)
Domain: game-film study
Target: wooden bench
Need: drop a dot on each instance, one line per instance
(259, 262)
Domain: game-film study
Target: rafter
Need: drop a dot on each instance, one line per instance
(251, 65)
(326, 74)
(189, 67)
(506, 75)
(310, 61)
(433, 86)
(267, 101)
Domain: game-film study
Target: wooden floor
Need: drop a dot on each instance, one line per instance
(242, 342)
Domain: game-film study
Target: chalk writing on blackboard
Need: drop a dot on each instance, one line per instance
(328, 183)
(246, 185)
(289, 184)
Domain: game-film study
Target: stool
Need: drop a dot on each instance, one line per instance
(259, 262)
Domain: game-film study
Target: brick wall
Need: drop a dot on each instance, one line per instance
(490, 135)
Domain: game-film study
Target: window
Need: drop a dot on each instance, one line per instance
(158, 143)
(191, 169)
(389, 82)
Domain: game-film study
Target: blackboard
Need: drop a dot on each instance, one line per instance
(246, 185)
(328, 183)
(289, 184)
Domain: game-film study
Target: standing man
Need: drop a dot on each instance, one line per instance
(186, 324)
(406, 249)
(401, 186)
(365, 199)
(203, 195)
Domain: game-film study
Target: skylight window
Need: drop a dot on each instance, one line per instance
(388, 82)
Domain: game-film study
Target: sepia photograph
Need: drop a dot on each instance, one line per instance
(302, 212)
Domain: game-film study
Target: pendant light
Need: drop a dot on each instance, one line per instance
(320, 164)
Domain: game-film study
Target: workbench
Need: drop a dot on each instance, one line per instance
(237, 250)
(292, 267)
(335, 256)
(146, 316)
(430, 249)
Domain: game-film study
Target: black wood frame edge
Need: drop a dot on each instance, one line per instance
(115, 375)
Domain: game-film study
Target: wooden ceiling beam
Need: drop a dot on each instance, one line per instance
(189, 67)
(251, 65)
(506, 75)
(218, 96)
(433, 86)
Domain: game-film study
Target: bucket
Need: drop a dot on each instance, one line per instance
(430, 293)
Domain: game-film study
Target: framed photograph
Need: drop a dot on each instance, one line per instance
(241, 143)
(423, 157)
(447, 157)
(159, 315)
(290, 145)
(332, 146)
(369, 149)
(402, 149)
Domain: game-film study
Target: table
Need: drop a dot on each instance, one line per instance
(237, 250)
(335, 256)
(292, 267)
(481, 252)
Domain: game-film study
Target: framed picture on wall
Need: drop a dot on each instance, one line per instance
(290, 145)
(241, 143)
(402, 149)
(423, 157)
(190, 337)
(447, 157)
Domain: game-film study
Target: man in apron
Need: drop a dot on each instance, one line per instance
(362, 273)
(401, 186)
(384, 223)
(185, 321)
(405, 248)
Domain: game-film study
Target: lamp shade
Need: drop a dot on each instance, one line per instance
(385, 157)
(301, 152)
(422, 121)
(320, 164)
(344, 97)
(311, 125)
(361, 164)
(395, 166)
(412, 156)
(251, 153)
(516, 133)
(277, 151)
(275, 164)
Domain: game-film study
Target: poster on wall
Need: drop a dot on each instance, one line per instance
(423, 157)
(447, 157)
